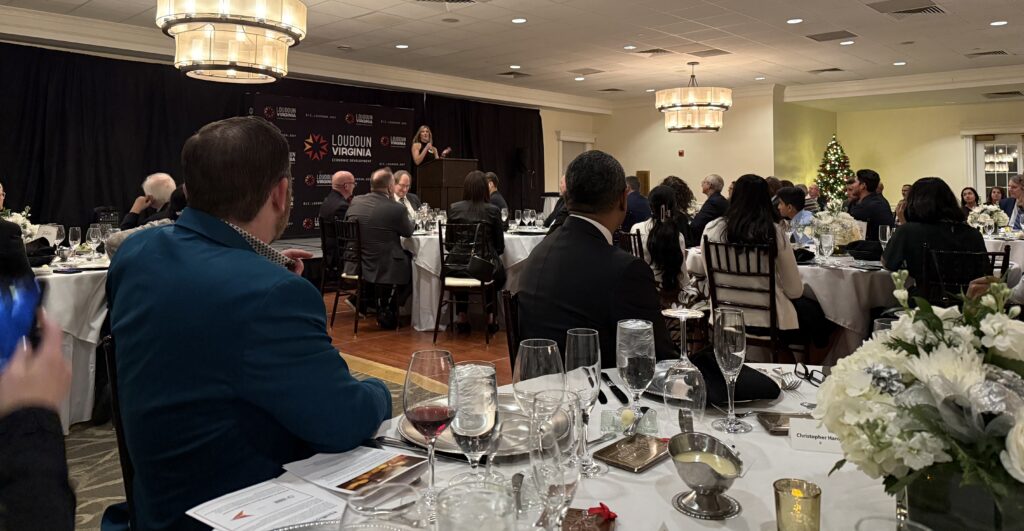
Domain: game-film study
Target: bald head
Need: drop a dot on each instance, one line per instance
(382, 181)
(344, 183)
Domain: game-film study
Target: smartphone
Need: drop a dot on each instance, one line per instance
(19, 304)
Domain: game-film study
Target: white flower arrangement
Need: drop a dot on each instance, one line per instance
(842, 226)
(984, 214)
(942, 388)
(21, 219)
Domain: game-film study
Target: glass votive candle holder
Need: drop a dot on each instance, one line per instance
(797, 505)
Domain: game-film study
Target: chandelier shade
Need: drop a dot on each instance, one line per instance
(693, 120)
(675, 99)
(233, 41)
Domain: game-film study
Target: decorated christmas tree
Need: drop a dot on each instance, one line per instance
(833, 172)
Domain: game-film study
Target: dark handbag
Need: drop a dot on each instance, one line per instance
(481, 269)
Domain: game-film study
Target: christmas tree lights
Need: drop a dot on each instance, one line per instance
(833, 172)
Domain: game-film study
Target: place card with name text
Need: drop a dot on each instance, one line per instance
(809, 435)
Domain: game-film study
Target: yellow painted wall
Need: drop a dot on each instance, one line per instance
(552, 122)
(800, 134)
(904, 145)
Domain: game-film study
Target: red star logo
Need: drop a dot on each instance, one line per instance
(316, 146)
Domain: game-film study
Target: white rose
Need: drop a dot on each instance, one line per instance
(989, 301)
(1005, 336)
(1013, 457)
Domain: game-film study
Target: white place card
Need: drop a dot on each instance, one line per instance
(808, 435)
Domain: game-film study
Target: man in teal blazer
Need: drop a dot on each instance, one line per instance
(225, 367)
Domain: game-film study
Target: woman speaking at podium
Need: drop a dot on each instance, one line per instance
(423, 149)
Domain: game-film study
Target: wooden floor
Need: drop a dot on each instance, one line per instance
(394, 347)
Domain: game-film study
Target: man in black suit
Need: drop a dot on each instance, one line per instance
(157, 190)
(386, 265)
(638, 209)
(403, 180)
(496, 198)
(577, 278)
(871, 206)
(13, 260)
(713, 208)
(343, 184)
(559, 213)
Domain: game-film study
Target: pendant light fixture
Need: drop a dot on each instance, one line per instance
(693, 108)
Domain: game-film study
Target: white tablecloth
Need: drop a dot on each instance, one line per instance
(1016, 248)
(644, 501)
(426, 272)
(78, 304)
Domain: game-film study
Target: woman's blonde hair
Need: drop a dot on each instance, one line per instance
(420, 131)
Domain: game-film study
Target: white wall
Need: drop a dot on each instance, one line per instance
(800, 136)
(554, 122)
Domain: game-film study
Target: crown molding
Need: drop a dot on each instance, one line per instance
(123, 41)
(954, 79)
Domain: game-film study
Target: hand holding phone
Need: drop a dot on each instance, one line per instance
(19, 302)
(36, 377)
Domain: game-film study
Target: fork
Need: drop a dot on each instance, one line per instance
(787, 380)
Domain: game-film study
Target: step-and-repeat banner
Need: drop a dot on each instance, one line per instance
(326, 137)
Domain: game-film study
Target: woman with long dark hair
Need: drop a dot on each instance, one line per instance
(684, 203)
(751, 219)
(969, 200)
(663, 244)
(995, 195)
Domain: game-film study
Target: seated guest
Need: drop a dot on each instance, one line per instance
(496, 198)
(560, 285)
(175, 206)
(664, 246)
(409, 200)
(1013, 205)
(684, 204)
(343, 185)
(157, 190)
(814, 192)
(473, 209)
(995, 195)
(773, 189)
(34, 488)
(751, 220)
(968, 200)
(851, 195)
(227, 371)
(791, 207)
(560, 212)
(713, 208)
(933, 218)
(871, 206)
(901, 207)
(637, 207)
(13, 259)
(810, 203)
(386, 265)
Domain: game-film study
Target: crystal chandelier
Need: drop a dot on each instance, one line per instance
(232, 41)
(693, 108)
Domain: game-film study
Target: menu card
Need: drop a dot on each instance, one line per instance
(357, 469)
(284, 501)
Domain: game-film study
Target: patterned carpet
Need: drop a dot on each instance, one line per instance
(96, 471)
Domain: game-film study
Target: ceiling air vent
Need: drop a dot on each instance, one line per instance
(831, 36)
(991, 53)
(1003, 95)
(825, 71)
(512, 74)
(651, 52)
(710, 52)
(586, 71)
(611, 90)
(900, 9)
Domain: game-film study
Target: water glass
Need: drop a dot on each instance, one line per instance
(388, 506)
(476, 506)
(989, 228)
(556, 474)
(528, 216)
(685, 394)
(538, 368)
(74, 238)
(826, 245)
(425, 401)
(473, 394)
(634, 357)
(730, 341)
(884, 233)
(583, 377)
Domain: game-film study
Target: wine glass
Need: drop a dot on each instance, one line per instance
(518, 218)
(476, 506)
(60, 236)
(583, 377)
(990, 227)
(504, 215)
(730, 350)
(74, 238)
(426, 405)
(93, 235)
(528, 216)
(634, 357)
(556, 473)
(686, 393)
(884, 233)
(827, 245)
(538, 368)
(473, 393)
(386, 506)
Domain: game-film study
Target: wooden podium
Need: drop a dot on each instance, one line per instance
(439, 182)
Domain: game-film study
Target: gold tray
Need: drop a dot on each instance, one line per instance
(635, 454)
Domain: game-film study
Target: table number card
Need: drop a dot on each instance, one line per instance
(808, 435)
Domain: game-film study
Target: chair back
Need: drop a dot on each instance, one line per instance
(631, 242)
(331, 254)
(458, 242)
(106, 214)
(127, 470)
(742, 276)
(949, 273)
(510, 307)
(1000, 261)
(350, 246)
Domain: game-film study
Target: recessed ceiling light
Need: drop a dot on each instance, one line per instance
(997, 23)
(759, 78)
(794, 21)
(401, 46)
(900, 63)
(629, 47)
(845, 43)
(519, 21)
(649, 90)
(514, 67)
(579, 78)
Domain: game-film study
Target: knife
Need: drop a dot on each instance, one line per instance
(615, 389)
(402, 445)
(601, 398)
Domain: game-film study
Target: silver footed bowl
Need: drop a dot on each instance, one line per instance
(708, 466)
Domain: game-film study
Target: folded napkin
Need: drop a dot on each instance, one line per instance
(751, 384)
(39, 247)
(803, 256)
(865, 250)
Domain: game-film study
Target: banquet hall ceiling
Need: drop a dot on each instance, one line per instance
(562, 38)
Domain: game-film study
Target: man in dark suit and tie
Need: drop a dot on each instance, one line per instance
(13, 259)
(225, 367)
(638, 209)
(386, 265)
(411, 203)
(576, 278)
(713, 208)
(496, 198)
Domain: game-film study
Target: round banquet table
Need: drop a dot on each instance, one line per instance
(426, 271)
(1016, 248)
(846, 295)
(78, 304)
(644, 501)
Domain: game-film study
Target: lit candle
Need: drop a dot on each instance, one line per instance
(797, 505)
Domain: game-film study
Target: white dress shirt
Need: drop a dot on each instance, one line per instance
(604, 230)
(408, 206)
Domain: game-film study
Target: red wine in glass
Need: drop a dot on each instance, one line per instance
(430, 420)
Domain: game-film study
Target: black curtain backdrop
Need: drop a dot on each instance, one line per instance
(78, 131)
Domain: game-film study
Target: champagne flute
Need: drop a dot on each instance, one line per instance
(538, 368)
(426, 404)
(556, 474)
(884, 233)
(730, 350)
(504, 215)
(473, 393)
(583, 377)
(74, 238)
(518, 217)
(634, 357)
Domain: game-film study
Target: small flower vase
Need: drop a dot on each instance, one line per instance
(939, 501)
